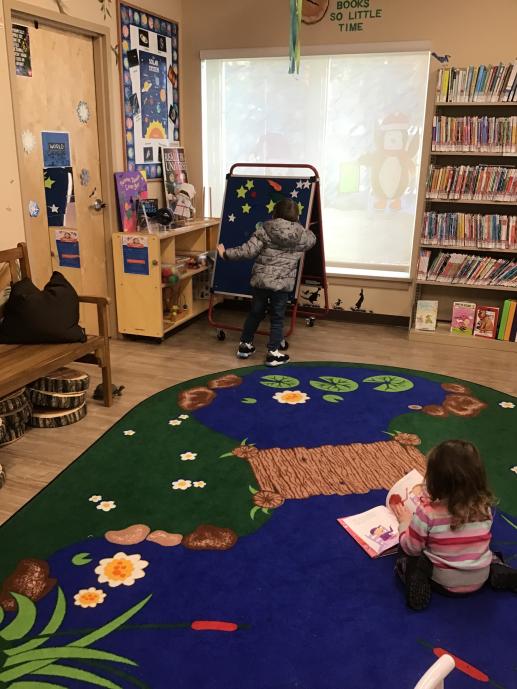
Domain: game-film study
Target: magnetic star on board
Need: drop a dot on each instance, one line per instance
(246, 208)
(49, 182)
(271, 206)
(294, 194)
(231, 218)
(249, 185)
(241, 192)
(299, 185)
(307, 184)
(54, 208)
(300, 208)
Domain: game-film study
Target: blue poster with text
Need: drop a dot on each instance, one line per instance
(153, 87)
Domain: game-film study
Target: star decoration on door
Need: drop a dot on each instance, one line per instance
(49, 182)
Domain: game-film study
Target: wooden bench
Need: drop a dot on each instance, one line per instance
(22, 364)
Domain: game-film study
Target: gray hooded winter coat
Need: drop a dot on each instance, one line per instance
(277, 246)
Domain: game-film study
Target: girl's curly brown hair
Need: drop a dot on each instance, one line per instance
(456, 475)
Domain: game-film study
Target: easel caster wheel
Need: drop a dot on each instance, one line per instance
(221, 335)
(309, 322)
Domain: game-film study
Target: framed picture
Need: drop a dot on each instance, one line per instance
(149, 70)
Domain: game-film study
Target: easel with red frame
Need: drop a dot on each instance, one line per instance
(312, 267)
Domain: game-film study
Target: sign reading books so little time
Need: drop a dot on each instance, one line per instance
(354, 15)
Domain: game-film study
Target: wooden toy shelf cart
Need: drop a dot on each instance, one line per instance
(142, 298)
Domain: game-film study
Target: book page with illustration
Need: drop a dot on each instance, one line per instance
(376, 530)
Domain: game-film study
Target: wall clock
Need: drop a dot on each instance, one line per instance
(314, 10)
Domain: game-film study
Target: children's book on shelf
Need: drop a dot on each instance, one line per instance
(508, 323)
(423, 263)
(174, 171)
(426, 314)
(486, 321)
(463, 316)
(131, 189)
(377, 530)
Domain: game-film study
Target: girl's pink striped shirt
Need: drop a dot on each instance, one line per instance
(461, 558)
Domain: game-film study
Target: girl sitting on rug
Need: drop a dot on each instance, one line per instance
(445, 545)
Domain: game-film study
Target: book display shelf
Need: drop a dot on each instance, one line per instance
(467, 249)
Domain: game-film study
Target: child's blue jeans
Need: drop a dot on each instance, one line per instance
(276, 302)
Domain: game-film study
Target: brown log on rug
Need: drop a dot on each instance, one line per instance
(300, 472)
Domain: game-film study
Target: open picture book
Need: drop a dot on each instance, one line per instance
(377, 530)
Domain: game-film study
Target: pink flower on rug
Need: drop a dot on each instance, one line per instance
(291, 397)
(106, 505)
(121, 569)
(89, 598)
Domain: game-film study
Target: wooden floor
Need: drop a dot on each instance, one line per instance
(145, 368)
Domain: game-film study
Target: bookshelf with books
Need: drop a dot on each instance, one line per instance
(467, 250)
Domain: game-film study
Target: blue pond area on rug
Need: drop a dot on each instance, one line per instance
(313, 610)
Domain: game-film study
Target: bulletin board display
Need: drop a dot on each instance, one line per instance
(149, 65)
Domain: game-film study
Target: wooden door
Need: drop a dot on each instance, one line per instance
(60, 97)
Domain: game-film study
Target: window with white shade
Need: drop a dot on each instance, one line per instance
(358, 119)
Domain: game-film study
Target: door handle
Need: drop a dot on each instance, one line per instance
(98, 205)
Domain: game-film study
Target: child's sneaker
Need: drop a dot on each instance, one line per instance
(276, 358)
(245, 350)
(418, 583)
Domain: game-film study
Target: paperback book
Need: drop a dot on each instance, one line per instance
(376, 530)
(174, 171)
(486, 321)
(426, 315)
(131, 189)
(463, 316)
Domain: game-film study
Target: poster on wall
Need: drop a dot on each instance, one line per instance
(58, 179)
(22, 50)
(67, 243)
(150, 87)
(135, 250)
(56, 149)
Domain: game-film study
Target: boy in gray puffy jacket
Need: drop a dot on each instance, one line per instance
(277, 247)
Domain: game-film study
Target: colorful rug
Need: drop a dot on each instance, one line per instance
(196, 543)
